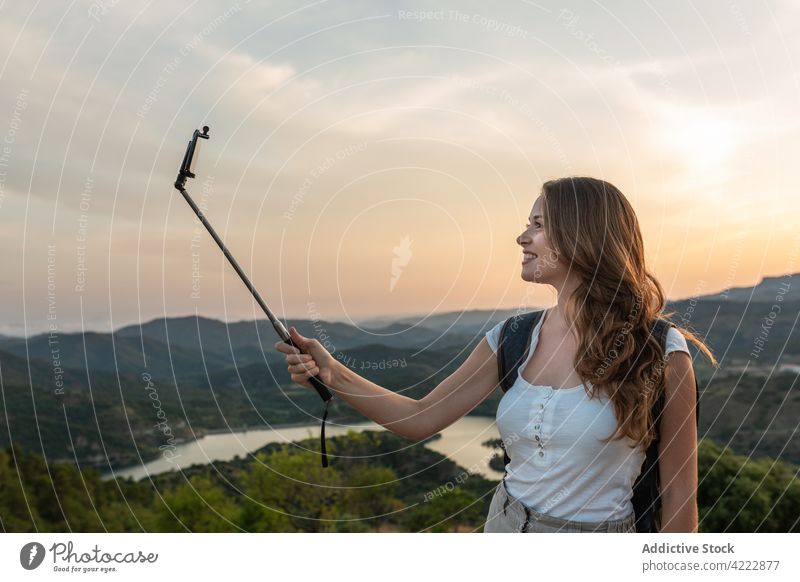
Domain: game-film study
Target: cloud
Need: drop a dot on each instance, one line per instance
(683, 106)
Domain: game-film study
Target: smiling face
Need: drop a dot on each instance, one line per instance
(540, 262)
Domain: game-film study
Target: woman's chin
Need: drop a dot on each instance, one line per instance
(532, 275)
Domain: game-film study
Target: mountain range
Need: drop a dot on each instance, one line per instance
(89, 398)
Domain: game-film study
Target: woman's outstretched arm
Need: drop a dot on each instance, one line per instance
(677, 465)
(454, 397)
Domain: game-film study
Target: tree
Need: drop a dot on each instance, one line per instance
(738, 494)
(198, 506)
(446, 512)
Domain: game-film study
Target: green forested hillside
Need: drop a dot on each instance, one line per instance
(377, 482)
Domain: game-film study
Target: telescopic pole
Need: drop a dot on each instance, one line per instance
(186, 171)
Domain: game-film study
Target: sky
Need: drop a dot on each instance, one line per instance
(379, 158)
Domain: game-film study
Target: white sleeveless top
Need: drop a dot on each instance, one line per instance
(558, 467)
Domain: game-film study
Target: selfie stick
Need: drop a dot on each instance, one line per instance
(187, 171)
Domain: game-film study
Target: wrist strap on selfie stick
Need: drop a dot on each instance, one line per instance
(187, 171)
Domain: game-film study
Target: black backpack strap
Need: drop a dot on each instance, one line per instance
(512, 348)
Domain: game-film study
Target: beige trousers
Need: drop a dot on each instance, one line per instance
(507, 515)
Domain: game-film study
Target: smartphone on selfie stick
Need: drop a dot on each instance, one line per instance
(187, 171)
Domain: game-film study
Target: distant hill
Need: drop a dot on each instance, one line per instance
(114, 353)
(92, 419)
(768, 290)
(252, 341)
(461, 321)
(744, 333)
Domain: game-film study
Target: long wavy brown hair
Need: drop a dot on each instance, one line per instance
(592, 225)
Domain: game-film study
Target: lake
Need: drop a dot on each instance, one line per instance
(460, 442)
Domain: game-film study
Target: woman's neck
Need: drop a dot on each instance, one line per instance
(557, 315)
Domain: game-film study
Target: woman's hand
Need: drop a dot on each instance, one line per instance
(315, 361)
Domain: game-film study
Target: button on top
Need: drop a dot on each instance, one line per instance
(538, 417)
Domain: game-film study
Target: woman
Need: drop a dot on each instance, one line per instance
(576, 421)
